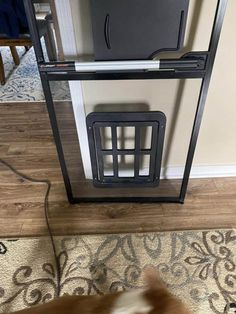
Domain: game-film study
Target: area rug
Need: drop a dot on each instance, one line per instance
(23, 81)
(198, 266)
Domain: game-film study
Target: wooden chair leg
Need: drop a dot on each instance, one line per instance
(50, 44)
(2, 72)
(15, 55)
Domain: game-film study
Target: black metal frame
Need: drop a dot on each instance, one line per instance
(192, 65)
(99, 120)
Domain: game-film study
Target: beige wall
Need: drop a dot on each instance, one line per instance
(217, 140)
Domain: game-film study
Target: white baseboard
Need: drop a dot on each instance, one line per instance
(196, 172)
(201, 172)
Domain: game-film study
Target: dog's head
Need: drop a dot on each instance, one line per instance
(155, 299)
(161, 300)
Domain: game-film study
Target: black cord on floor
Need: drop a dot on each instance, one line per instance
(46, 208)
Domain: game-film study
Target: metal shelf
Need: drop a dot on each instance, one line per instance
(190, 65)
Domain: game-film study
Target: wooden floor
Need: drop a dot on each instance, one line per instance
(26, 142)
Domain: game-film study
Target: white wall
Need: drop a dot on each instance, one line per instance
(217, 140)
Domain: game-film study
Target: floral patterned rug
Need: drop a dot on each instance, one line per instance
(198, 266)
(23, 82)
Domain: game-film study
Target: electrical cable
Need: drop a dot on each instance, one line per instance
(46, 208)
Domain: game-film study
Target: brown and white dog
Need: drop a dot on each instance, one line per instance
(155, 299)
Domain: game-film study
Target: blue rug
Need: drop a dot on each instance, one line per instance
(23, 81)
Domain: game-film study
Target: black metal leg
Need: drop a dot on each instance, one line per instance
(56, 134)
(30, 13)
(215, 36)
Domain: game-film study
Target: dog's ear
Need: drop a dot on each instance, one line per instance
(152, 279)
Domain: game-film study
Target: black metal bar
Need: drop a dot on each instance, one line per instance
(165, 64)
(137, 152)
(131, 199)
(181, 64)
(30, 12)
(148, 75)
(126, 152)
(100, 160)
(60, 66)
(154, 137)
(215, 36)
(56, 134)
(32, 22)
(92, 147)
(115, 156)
